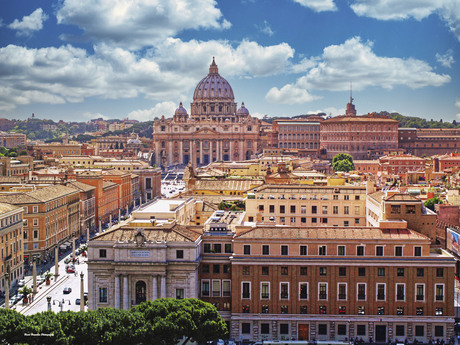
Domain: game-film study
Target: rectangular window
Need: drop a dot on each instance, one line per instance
(303, 250)
(361, 330)
(398, 251)
(247, 249)
(205, 288)
(271, 208)
(417, 251)
(380, 292)
(323, 271)
(420, 292)
(303, 290)
(322, 328)
(265, 290)
(400, 331)
(399, 310)
(335, 209)
(284, 250)
(322, 250)
(303, 270)
(35, 221)
(284, 270)
(207, 248)
(179, 254)
(265, 270)
(341, 329)
(439, 272)
(420, 272)
(381, 271)
(246, 328)
(395, 209)
(35, 209)
(379, 251)
(246, 270)
(314, 210)
(439, 311)
(419, 331)
(282, 209)
(400, 272)
(322, 291)
(419, 311)
(102, 294)
(217, 248)
(284, 328)
(246, 290)
(439, 288)
(400, 292)
(360, 250)
(342, 271)
(342, 291)
(205, 268)
(292, 208)
(303, 309)
(346, 210)
(380, 310)
(265, 309)
(226, 269)
(265, 249)
(228, 248)
(341, 250)
(284, 290)
(216, 268)
(361, 310)
(102, 253)
(226, 288)
(361, 271)
(179, 293)
(439, 331)
(361, 292)
(324, 209)
(264, 328)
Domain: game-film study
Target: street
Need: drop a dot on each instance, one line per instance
(59, 300)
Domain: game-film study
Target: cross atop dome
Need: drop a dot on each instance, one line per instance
(213, 68)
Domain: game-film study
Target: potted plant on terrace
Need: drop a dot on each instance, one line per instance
(48, 276)
(25, 291)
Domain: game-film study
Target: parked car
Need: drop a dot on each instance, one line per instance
(67, 290)
(70, 269)
(77, 301)
(22, 282)
(67, 260)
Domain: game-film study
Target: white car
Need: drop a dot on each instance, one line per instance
(22, 282)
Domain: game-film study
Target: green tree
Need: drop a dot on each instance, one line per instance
(22, 153)
(433, 201)
(169, 320)
(11, 326)
(343, 162)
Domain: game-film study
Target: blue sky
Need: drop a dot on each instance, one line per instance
(82, 59)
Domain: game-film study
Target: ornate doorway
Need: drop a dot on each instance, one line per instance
(140, 292)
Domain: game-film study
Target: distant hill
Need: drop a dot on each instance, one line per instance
(417, 122)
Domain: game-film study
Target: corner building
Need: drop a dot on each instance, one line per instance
(336, 283)
(214, 131)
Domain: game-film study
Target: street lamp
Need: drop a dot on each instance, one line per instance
(48, 299)
(73, 244)
(34, 273)
(7, 288)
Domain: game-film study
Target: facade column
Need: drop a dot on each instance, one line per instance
(125, 293)
(242, 153)
(163, 286)
(154, 288)
(217, 149)
(170, 153)
(56, 262)
(201, 151)
(230, 143)
(157, 154)
(117, 291)
(181, 152)
(193, 153)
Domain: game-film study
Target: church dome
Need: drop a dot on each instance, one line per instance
(213, 87)
(181, 110)
(243, 110)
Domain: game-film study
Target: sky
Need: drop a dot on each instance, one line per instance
(77, 60)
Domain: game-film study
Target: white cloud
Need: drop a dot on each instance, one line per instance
(448, 10)
(32, 22)
(289, 94)
(318, 5)
(457, 103)
(136, 24)
(446, 59)
(265, 28)
(164, 108)
(355, 61)
(168, 73)
(91, 116)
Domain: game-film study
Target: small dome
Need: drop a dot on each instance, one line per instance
(213, 87)
(181, 110)
(243, 110)
(134, 142)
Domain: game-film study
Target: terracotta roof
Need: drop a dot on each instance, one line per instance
(378, 196)
(41, 195)
(178, 233)
(115, 172)
(361, 118)
(4, 207)
(81, 186)
(88, 173)
(108, 184)
(8, 179)
(330, 233)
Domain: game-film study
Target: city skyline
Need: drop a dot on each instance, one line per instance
(75, 60)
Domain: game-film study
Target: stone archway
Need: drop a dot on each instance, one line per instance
(141, 290)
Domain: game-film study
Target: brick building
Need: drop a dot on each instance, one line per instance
(429, 141)
(298, 134)
(12, 140)
(11, 243)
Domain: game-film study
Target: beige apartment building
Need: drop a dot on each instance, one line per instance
(11, 246)
(304, 205)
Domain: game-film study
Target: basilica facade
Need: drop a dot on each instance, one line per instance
(215, 130)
